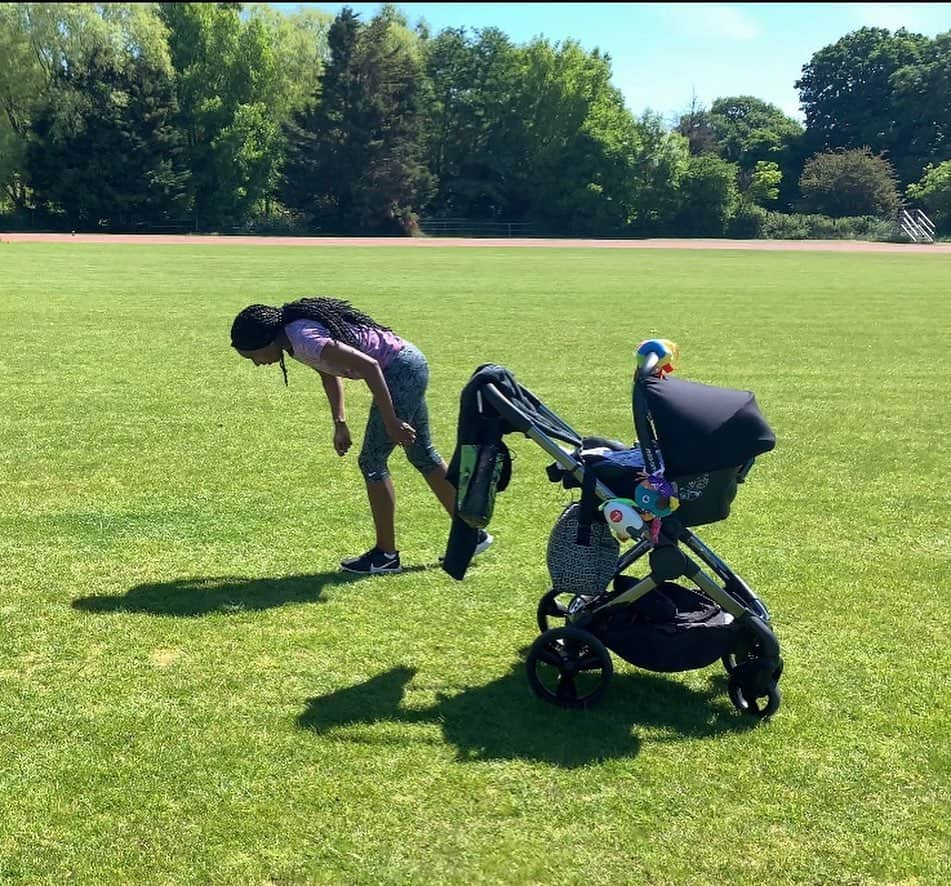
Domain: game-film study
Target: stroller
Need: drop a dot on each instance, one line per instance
(705, 440)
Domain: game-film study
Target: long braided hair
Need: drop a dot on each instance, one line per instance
(258, 325)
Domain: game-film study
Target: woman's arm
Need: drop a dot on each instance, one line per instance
(359, 364)
(333, 388)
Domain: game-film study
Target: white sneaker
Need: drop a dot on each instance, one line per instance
(484, 541)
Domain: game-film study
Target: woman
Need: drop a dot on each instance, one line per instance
(340, 342)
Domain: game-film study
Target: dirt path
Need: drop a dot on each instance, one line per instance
(425, 242)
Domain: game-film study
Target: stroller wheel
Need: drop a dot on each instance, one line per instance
(551, 607)
(732, 661)
(747, 701)
(569, 667)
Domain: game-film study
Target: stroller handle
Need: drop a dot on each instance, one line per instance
(507, 409)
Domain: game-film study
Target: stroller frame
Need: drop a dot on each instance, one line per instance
(754, 669)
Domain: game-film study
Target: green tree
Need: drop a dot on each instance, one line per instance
(849, 96)
(40, 40)
(476, 144)
(579, 141)
(922, 98)
(747, 131)
(708, 196)
(116, 159)
(934, 194)
(356, 159)
(849, 183)
(763, 184)
(230, 99)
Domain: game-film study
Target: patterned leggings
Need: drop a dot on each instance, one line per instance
(406, 377)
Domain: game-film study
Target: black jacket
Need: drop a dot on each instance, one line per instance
(479, 423)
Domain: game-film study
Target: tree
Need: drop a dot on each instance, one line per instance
(658, 167)
(747, 131)
(476, 142)
(934, 193)
(708, 196)
(116, 159)
(356, 160)
(848, 183)
(230, 98)
(40, 41)
(763, 184)
(579, 141)
(848, 95)
(694, 124)
(922, 98)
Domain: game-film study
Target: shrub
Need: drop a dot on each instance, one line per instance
(848, 183)
(747, 222)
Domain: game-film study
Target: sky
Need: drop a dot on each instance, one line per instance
(664, 54)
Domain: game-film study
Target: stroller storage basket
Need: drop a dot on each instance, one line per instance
(670, 629)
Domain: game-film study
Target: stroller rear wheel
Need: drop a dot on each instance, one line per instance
(569, 667)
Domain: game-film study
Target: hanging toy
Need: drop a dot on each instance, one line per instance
(622, 518)
(656, 356)
(657, 498)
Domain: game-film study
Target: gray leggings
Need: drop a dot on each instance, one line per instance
(406, 377)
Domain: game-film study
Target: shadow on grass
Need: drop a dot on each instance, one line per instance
(504, 721)
(192, 597)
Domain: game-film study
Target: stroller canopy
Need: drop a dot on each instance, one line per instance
(701, 428)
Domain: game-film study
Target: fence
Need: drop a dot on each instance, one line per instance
(467, 227)
(916, 225)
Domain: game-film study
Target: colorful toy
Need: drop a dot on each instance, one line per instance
(657, 498)
(656, 356)
(622, 518)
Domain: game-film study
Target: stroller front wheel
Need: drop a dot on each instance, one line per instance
(569, 667)
(747, 701)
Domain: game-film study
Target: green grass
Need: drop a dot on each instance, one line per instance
(190, 693)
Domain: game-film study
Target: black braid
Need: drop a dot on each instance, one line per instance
(338, 316)
(256, 327)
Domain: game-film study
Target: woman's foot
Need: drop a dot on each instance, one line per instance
(373, 562)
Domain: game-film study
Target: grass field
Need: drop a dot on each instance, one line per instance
(191, 693)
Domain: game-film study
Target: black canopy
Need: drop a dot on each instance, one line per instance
(701, 428)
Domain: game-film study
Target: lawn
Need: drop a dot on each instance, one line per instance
(191, 693)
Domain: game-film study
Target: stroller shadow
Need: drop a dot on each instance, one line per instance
(503, 721)
(229, 595)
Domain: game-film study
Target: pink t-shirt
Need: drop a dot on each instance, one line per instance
(308, 339)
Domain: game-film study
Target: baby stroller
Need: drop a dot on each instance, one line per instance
(705, 440)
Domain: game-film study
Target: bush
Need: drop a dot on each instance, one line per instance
(849, 183)
(747, 222)
(780, 226)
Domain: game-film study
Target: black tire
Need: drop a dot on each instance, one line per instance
(747, 702)
(732, 660)
(550, 607)
(569, 667)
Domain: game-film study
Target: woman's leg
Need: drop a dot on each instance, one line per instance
(373, 458)
(382, 497)
(442, 488)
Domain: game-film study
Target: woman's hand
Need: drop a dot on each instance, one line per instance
(342, 441)
(401, 432)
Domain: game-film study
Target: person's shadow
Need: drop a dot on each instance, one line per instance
(502, 720)
(192, 597)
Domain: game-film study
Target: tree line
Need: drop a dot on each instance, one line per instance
(222, 116)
